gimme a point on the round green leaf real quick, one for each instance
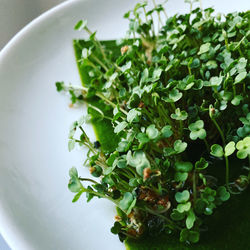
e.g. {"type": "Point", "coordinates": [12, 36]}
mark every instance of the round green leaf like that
{"type": "Point", "coordinates": [122, 163]}
{"type": "Point", "coordinates": [200, 206]}
{"type": "Point", "coordinates": [133, 115]}
{"type": "Point", "coordinates": [230, 148]}
{"type": "Point", "coordinates": [223, 194]}
{"type": "Point", "coordinates": [126, 201]}
{"type": "Point", "coordinates": [143, 138]}
{"type": "Point", "coordinates": [166, 131]}
{"type": "Point", "coordinates": [184, 207]}
{"type": "Point", "coordinates": [190, 219]}
{"type": "Point", "coordinates": [97, 172]}
{"type": "Point", "coordinates": [138, 160]}
{"type": "Point", "coordinates": [120, 127]}
{"type": "Point", "coordinates": [241, 76]}
{"type": "Point", "coordinates": [152, 132]}
{"type": "Point", "coordinates": [123, 146]}
{"type": "Point", "coordinates": [182, 166]}
{"type": "Point", "coordinates": [217, 150]}
{"type": "Point", "coordinates": [182, 197]}
{"type": "Point", "coordinates": [116, 228]}
{"type": "Point", "coordinates": [180, 146]}
{"type": "Point", "coordinates": [194, 236]}
{"type": "Point", "coordinates": [71, 145]}
{"type": "Point", "coordinates": [244, 148]}
{"type": "Point", "coordinates": [179, 176]}
{"type": "Point", "coordinates": [236, 100]}
{"type": "Point", "coordinates": [201, 164]}
{"type": "Point", "coordinates": [204, 48]}
{"type": "Point", "coordinates": [216, 81]}
{"type": "Point", "coordinates": [74, 185]}
{"type": "Point", "coordinates": [176, 215]}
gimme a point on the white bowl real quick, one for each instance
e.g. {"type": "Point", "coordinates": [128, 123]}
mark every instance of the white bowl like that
{"type": "Point", "coordinates": [35, 205]}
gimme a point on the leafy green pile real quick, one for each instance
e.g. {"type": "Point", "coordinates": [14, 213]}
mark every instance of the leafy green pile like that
{"type": "Point", "coordinates": [177, 102]}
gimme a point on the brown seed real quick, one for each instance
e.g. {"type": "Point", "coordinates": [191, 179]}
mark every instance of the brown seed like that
{"type": "Point", "coordinates": [213, 110]}
{"type": "Point", "coordinates": [91, 170]}
{"type": "Point", "coordinates": [118, 218]}
{"type": "Point", "coordinates": [71, 105]}
{"type": "Point", "coordinates": [124, 49]}
{"type": "Point", "coordinates": [132, 232]}
{"type": "Point", "coordinates": [141, 105]}
{"type": "Point", "coordinates": [146, 173]}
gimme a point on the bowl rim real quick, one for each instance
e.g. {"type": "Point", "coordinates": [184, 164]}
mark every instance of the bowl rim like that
{"type": "Point", "coordinates": [32, 25]}
{"type": "Point", "coordinates": [4, 231]}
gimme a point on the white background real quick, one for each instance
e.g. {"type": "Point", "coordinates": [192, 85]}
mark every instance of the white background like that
{"type": "Point", "coordinates": [14, 15]}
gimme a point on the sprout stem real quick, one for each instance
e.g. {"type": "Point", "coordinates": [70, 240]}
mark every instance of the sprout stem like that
{"type": "Point", "coordinates": [219, 129]}
{"type": "Point", "coordinates": [194, 185]}
{"type": "Point", "coordinates": [227, 172]}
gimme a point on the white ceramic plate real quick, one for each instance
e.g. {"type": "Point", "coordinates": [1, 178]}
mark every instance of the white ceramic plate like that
{"type": "Point", "coordinates": [35, 206]}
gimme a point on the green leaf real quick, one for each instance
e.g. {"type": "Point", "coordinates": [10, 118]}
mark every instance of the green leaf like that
{"type": "Point", "coordinates": [152, 132]}
{"type": "Point", "coordinates": [131, 206]}
{"type": "Point", "coordinates": [201, 164]}
{"type": "Point", "coordinates": [81, 25]}
{"type": "Point", "coordinates": [59, 86]}
{"type": "Point", "coordinates": [78, 195]}
{"type": "Point", "coordinates": [122, 163]}
{"type": "Point", "coordinates": [144, 76]}
{"type": "Point", "coordinates": [138, 160]}
{"type": "Point", "coordinates": [182, 197]}
{"type": "Point", "coordinates": [126, 67]}
{"type": "Point", "coordinates": [97, 171]}
{"type": "Point", "coordinates": [200, 206]}
{"type": "Point", "coordinates": [182, 166]}
{"type": "Point", "coordinates": [133, 182]}
{"type": "Point", "coordinates": [223, 194]}
{"type": "Point", "coordinates": [217, 150]}
{"type": "Point", "coordinates": [123, 146]}
{"type": "Point", "coordinates": [116, 228]}
{"type": "Point", "coordinates": [190, 219]}
{"type": "Point", "coordinates": [236, 100]}
{"type": "Point", "coordinates": [73, 172]}
{"type": "Point", "coordinates": [156, 74]}
{"type": "Point", "coordinates": [180, 146]}
{"type": "Point", "coordinates": [71, 145]}
{"type": "Point", "coordinates": [241, 76]}
{"type": "Point", "coordinates": [211, 64]}
{"type": "Point", "coordinates": [112, 158]}
{"type": "Point", "coordinates": [179, 176]}
{"type": "Point", "coordinates": [179, 115]}
{"type": "Point", "coordinates": [201, 133]}
{"type": "Point", "coordinates": [195, 63]}
{"type": "Point", "coordinates": [74, 185]}
{"type": "Point", "coordinates": [133, 115]}
{"type": "Point", "coordinates": [126, 201]}
{"type": "Point", "coordinates": [193, 236]}
{"type": "Point", "coordinates": [196, 125]}
{"type": "Point", "coordinates": [174, 96]}
{"type": "Point", "coordinates": [243, 147]}
{"type": "Point", "coordinates": [204, 48]}
{"type": "Point", "coordinates": [143, 138]}
{"type": "Point", "coordinates": [166, 131]}
{"type": "Point", "coordinates": [184, 232]}
{"type": "Point", "coordinates": [120, 127]}
{"type": "Point", "coordinates": [229, 148]}
{"type": "Point", "coordinates": [184, 207]}
{"type": "Point", "coordinates": [176, 215]}
{"type": "Point", "coordinates": [216, 81]}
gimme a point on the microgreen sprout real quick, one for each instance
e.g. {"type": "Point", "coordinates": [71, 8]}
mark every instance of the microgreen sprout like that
{"type": "Point", "coordinates": [168, 102]}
